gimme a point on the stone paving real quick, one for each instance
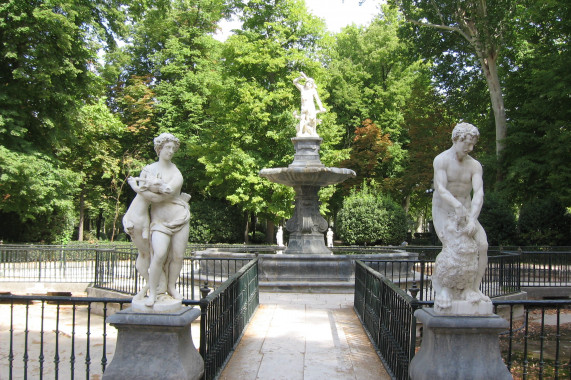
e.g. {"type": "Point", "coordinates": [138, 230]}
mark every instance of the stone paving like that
{"type": "Point", "coordinates": [304, 336]}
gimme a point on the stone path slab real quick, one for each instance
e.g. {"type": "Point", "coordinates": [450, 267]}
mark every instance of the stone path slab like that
{"type": "Point", "coordinates": [304, 336]}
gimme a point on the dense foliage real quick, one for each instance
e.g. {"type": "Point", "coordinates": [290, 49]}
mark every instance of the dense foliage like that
{"type": "Point", "coordinates": [498, 220]}
{"type": "Point", "coordinates": [544, 222]}
{"type": "Point", "coordinates": [87, 84]}
{"type": "Point", "coordinates": [215, 222]}
{"type": "Point", "coordinates": [370, 218]}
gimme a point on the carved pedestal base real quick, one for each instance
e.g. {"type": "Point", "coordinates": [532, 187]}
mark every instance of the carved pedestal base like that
{"type": "Point", "coordinates": [300, 243]}
{"type": "Point", "coordinates": [154, 346]}
{"type": "Point", "coordinates": [459, 347]}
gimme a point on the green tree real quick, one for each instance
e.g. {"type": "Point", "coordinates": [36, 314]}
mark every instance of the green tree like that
{"type": "Point", "coordinates": [539, 145]}
{"type": "Point", "coordinates": [461, 31]}
{"type": "Point", "coordinates": [372, 75]}
{"type": "Point", "coordinates": [48, 72]}
{"type": "Point", "coordinates": [254, 101]}
{"type": "Point", "coordinates": [90, 151]}
{"type": "Point", "coordinates": [498, 219]}
{"type": "Point", "coordinates": [544, 222]}
{"type": "Point", "coordinates": [36, 193]}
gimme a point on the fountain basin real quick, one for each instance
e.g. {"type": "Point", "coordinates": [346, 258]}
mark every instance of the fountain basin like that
{"type": "Point", "coordinates": [304, 176]}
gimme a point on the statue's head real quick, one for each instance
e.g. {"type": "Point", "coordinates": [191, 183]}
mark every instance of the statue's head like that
{"type": "Point", "coordinates": [463, 130]}
{"type": "Point", "coordinates": [164, 138]}
{"type": "Point", "coordinates": [310, 83]}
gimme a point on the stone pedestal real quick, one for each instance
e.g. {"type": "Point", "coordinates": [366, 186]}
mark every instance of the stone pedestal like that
{"type": "Point", "coordinates": [459, 347]}
{"type": "Point", "coordinates": [154, 346]}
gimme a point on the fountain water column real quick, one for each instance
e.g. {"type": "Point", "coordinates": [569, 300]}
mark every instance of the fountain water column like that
{"type": "Point", "coordinates": [306, 174]}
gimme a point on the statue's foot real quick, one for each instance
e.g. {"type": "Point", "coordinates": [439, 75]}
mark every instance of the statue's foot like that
{"type": "Point", "coordinates": [151, 300]}
{"type": "Point", "coordinates": [142, 293]}
{"type": "Point", "coordinates": [174, 293]}
{"type": "Point", "coordinates": [472, 296]}
{"type": "Point", "coordinates": [443, 300]}
{"type": "Point", "coordinates": [483, 297]}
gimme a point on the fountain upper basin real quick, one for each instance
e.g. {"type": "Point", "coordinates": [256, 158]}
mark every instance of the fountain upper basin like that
{"type": "Point", "coordinates": [310, 175]}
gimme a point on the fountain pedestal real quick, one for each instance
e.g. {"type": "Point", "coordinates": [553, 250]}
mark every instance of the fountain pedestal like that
{"type": "Point", "coordinates": [306, 174]}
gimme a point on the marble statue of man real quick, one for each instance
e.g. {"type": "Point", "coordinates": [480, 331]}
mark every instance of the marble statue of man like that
{"type": "Point", "coordinates": [460, 266]}
{"type": "Point", "coordinates": [160, 235]}
{"type": "Point", "coordinates": [308, 121]}
{"type": "Point", "coordinates": [329, 237]}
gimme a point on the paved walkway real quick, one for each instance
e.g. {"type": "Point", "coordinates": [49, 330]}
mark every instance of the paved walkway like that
{"type": "Point", "coordinates": [304, 336]}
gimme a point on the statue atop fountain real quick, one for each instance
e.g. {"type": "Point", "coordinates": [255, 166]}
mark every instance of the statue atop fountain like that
{"type": "Point", "coordinates": [306, 174]}
{"type": "Point", "coordinates": [308, 120]}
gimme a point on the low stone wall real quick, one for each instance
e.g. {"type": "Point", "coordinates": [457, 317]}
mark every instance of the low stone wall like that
{"type": "Point", "coordinates": [308, 272]}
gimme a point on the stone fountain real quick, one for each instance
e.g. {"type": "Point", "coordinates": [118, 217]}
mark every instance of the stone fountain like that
{"type": "Point", "coordinates": [308, 265]}
{"type": "Point", "coordinates": [306, 174]}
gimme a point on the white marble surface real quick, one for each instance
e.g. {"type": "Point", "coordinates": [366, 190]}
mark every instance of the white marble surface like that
{"type": "Point", "coordinates": [460, 266]}
{"type": "Point", "coordinates": [158, 223]}
{"type": "Point", "coordinates": [308, 120]}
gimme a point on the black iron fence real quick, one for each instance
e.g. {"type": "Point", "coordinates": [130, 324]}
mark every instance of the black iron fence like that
{"type": "Point", "coordinates": [224, 315]}
{"type": "Point", "coordinates": [67, 337]}
{"type": "Point", "coordinates": [537, 344]}
{"type": "Point", "coordinates": [111, 268]}
{"type": "Point", "coordinates": [387, 314]}
{"type": "Point", "coordinates": [56, 337]}
{"type": "Point", "coordinates": [48, 263]}
{"type": "Point", "coordinates": [545, 268]}
{"type": "Point", "coordinates": [501, 277]}
{"type": "Point", "coordinates": [116, 271]}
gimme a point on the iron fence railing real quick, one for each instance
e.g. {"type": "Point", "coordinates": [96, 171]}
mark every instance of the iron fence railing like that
{"type": "Point", "coordinates": [224, 315]}
{"type": "Point", "coordinates": [59, 336]}
{"type": "Point", "coordinates": [110, 268]}
{"type": "Point", "coordinates": [47, 263]}
{"type": "Point", "coordinates": [545, 268]}
{"type": "Point", "coordinates": [501, 277]}
{"type": "Point", "coordinates": [67, 337]}
{"type": "Point", "coordinates": [116, 271]}
{"type": "Point", "coordinates": [387, 314]}
{"type": "Point", "coordinates": [537, 344]}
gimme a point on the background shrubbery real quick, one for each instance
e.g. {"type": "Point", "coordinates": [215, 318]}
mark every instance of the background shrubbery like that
{"type": "Point", "coordinates": [544, 222]}
{"type": "Point", "coordinates": [370, 218]}
{"type": "Point", "coordinates": [498, 220]}
{"type": "Point", "coordinates": [215, 222]}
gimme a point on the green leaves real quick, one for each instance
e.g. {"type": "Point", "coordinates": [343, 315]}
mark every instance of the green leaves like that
{"type": "Point", "coordinates": [369, 218]}
{"type": "Point", "coordinates": [33, 184]}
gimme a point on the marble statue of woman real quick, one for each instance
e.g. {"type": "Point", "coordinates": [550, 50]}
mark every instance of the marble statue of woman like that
{"type": "Point", "coordinates": [280, 236]}
{"type": "Point", "coordinates": [162, 235]}
{"type": "Point", "coordinates": [460, 267]}
{"type": "Point", "coordinates": [308, 118]}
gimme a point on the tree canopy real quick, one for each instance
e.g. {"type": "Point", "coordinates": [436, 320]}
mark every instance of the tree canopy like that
{"type": "Point", "coordinates": [87, 84]}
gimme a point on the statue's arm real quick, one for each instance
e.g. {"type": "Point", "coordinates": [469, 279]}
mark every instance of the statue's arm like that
{"type": "Point", "coordinates": [478, 191]}
{"type": "Point", "coordinates": [319, 104]}
{"type": "Point", "coordinates": [296, 83]}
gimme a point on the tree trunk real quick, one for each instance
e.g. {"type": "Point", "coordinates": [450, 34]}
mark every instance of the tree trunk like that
{"type": "Point", "coordinates": [98, 223]}
{"type": "Point", "coordinates": [270, 232]}
{"type": "Point", "coordinates": [81, 215]}
{"type": "Point", "coordinates": [246, 228]}
{"type": "Point", "coordinates": [490, 71]}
